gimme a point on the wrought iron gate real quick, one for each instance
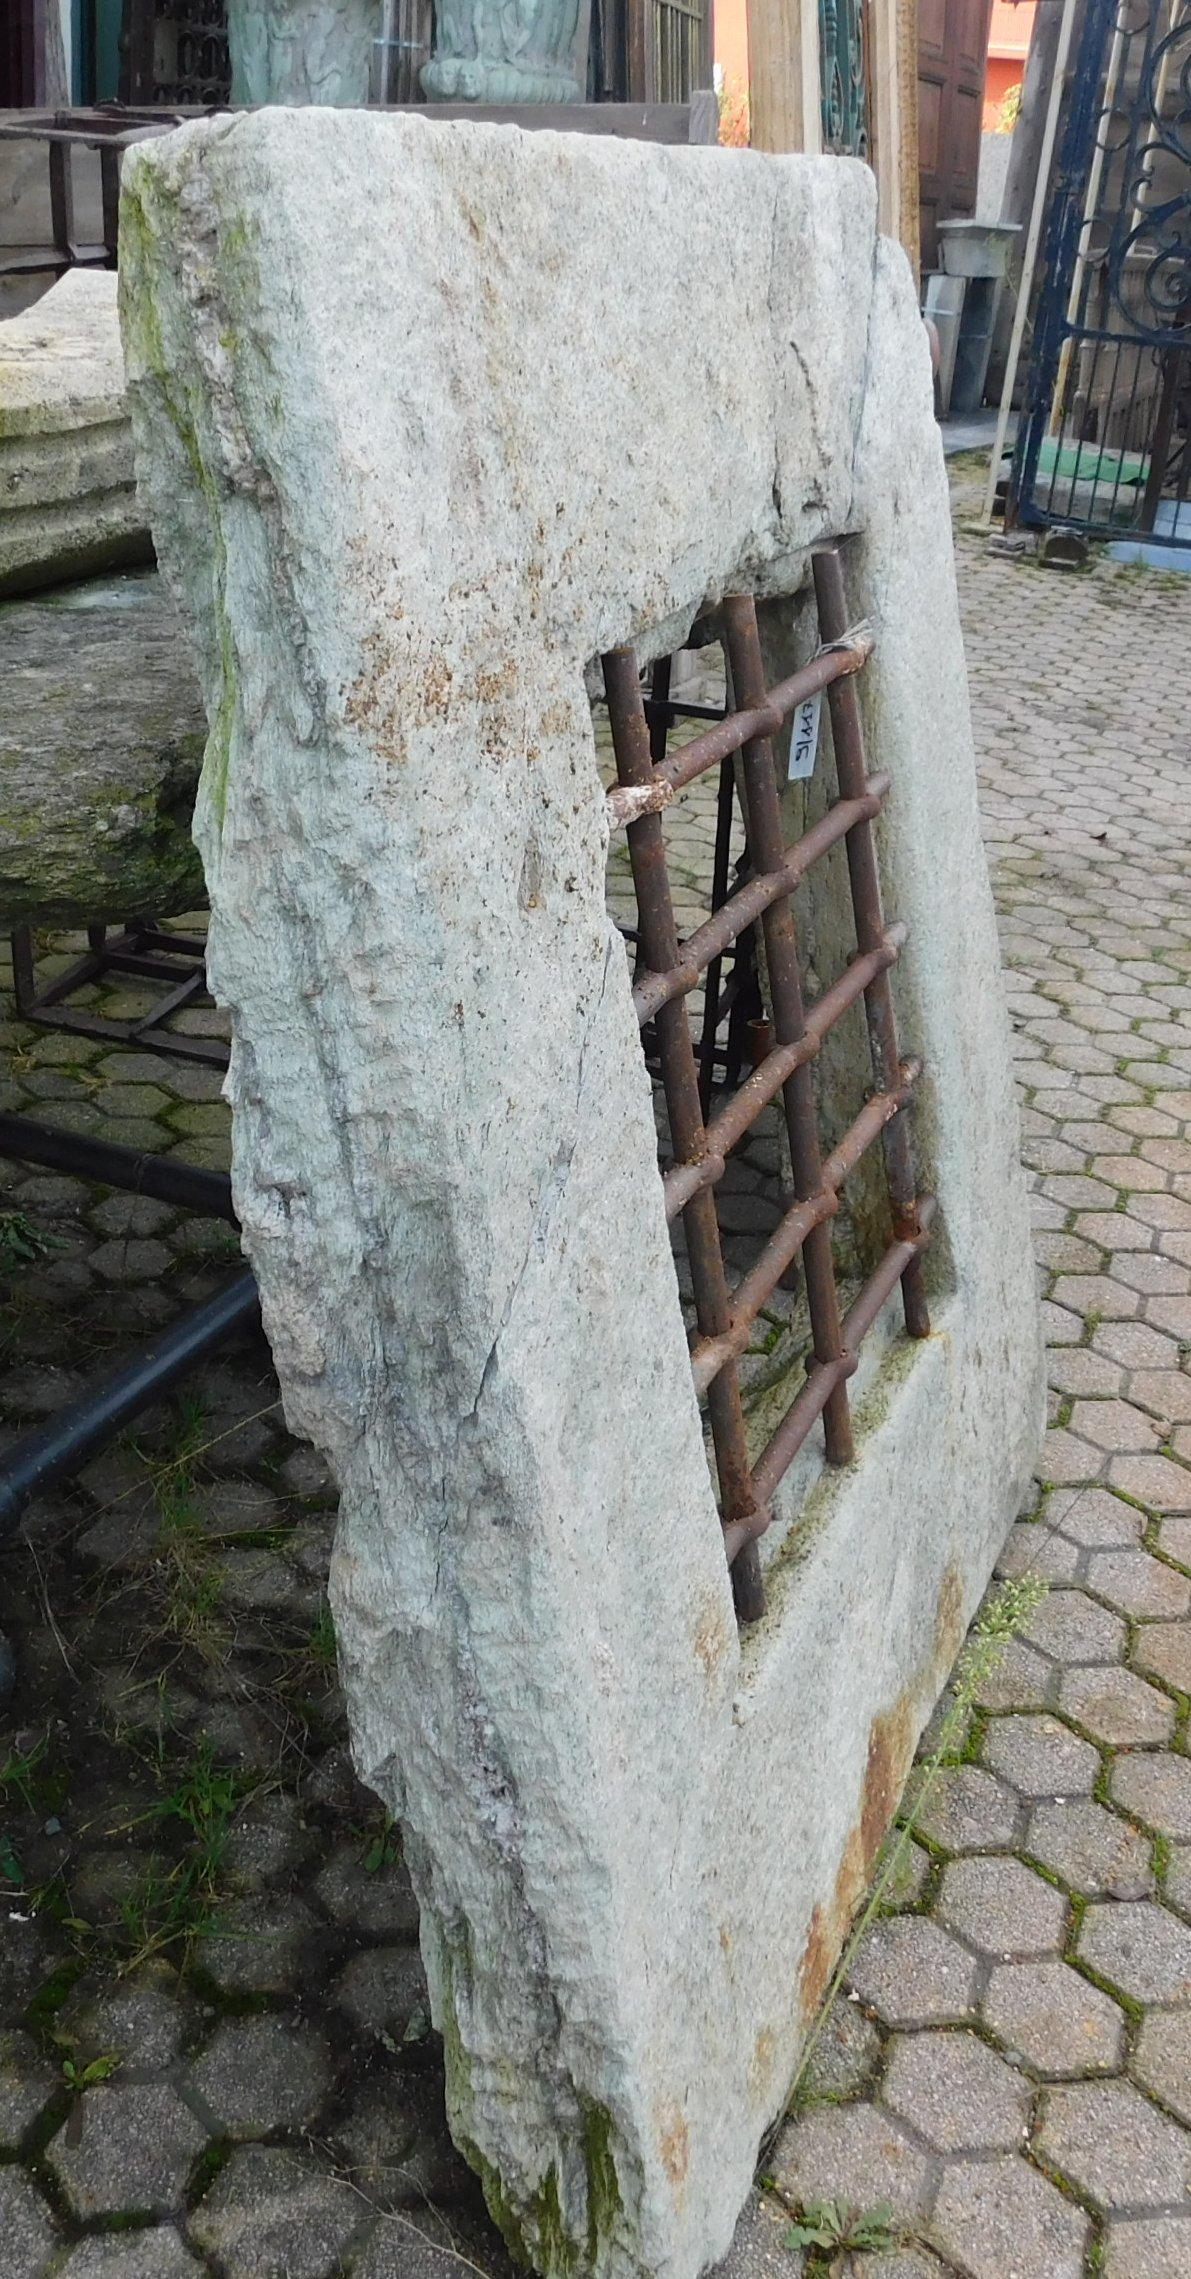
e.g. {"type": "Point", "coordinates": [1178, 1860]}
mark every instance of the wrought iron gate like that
{"type": "Point", "coordinates": [1104, 443]}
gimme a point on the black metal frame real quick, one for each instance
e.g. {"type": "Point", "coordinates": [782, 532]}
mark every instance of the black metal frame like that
{"type": "Point", "coordinates": [143, 951]}
{"type": "Point", "coordinates": [1112, 334]}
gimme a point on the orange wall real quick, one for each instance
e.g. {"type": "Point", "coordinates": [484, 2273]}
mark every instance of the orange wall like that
{"type": "Point", "coordinates": [731, 41]}
{"type": "Point", "coordinates": [1008, 46]}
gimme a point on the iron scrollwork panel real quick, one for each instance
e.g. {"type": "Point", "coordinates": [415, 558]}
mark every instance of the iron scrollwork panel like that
{"type": "Point", "coordinates": [843, 77]}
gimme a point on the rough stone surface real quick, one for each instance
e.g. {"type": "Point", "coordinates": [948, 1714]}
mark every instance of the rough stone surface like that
{"type": "Point", "coordinates": [384, 593]}
{"type": "Point", "coordinates": [29, 2238]}
{"type": "Point", "coordinates": [101, 742]}
{"type": "Point", "coordinates": [66, 457]}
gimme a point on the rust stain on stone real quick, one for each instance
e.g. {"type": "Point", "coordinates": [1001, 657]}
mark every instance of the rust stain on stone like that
{"type": "Point", "coordinates": [674, 2143]}
{"type": "Point", "coordinates": [949, 1623]}
{"type": "Point", "coordinates": [890, 1753]}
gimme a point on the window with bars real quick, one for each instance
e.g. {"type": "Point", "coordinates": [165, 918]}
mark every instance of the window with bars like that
{"type": "Point", "coordinates": [748, 951]}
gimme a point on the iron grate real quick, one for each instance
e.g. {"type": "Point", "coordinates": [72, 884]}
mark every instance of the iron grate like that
{"type": "Point", "coordinates": [702, 1142]}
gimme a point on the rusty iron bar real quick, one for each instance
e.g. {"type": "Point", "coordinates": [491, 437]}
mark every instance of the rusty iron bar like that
{"type": "Point", "coordinates": [659, 942]}
{"type": "Point", "coordinates": [847, 736]}
{"type": "Point", "coordinates": [762, 717]}
{"type": "Point", "coordinates": [726, 1130]}
{"type": "Point", "coordinates": [750, 901]}
{"type": "Point", "coordinates": [750, 1294]}
{"type": "Point", "coordinates": [776, 1458]}
{"type": "Point", "coordinates": [763, 811]}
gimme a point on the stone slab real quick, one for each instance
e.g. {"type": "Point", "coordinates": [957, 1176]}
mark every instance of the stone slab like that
{"type": "Point", "coordinates": [636, 1836]}
{"type": "Point", "coordinates": [101, 743]}
{"type": "Point", "coordinates": [68, 501]}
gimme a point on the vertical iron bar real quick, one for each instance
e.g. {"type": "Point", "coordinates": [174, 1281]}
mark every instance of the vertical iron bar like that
{"type": "Point", "coordinates": [767, 847]}
{"type": "Point", "coordinates": [61, 157]}
{"type": "Point", "coordinates": [659, 943]}
{"type": "Point", "coordinates": [725, 799]}
{"type": "Point", "coordinates": [848, 739]}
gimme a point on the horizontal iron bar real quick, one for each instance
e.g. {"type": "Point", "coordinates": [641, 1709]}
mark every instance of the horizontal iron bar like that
{"type": "Point", "coordinates": [821, 1381]}
{"type": "Point", "coordinates": [627, 801]}
{"type": "Point", "coordinates": [710, 1354]}
{"type": "Point", "coordinates": [53, 1451]}
{"type": "Point", "coordinates": [742, 909]}
{"type": "Point", "coordinates": [185, 1184]}
{"type": "Point", "coordinates": [726, 1130]}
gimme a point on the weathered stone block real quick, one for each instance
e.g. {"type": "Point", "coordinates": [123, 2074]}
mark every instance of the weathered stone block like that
{"type": "Point", "coordinates": [68, 503]}
{"type": "Point", "coordinates": [429, 416]}
{"type": "Point", "coordinates": [101, 742]}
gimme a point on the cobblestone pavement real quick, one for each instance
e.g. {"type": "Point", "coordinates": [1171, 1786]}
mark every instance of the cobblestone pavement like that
{"type": "Point", "coordinates": [214, 2050]}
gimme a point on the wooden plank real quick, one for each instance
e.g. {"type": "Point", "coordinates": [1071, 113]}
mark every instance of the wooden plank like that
{"type": "Point", "coordinates": [784, 95]}
{"type": "Point", "coordinates": [893, 102]}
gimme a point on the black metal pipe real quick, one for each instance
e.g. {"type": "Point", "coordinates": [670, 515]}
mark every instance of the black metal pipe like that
{"type": "Point", "coordinates": [207, 1192]}
{"type": "Point", "coordinates": [38, 1459]}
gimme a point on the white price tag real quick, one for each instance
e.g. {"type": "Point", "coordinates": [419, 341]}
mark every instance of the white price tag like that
{"type": "Point", "coordinates": [804, 738]}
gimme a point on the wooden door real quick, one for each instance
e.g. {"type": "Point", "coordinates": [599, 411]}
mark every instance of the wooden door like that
{"type": "Point", "coordinates": [952, 51]}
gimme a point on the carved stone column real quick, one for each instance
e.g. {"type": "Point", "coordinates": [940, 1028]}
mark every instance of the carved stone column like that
{"type": "Point", "coordinates": [301, 51]}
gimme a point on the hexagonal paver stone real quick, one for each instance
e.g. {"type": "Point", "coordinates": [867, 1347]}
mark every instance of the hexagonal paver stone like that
{"type": "Point", "coordinates": [1154, 1480]}
{"type": "Point", "coordinates": [1093, 1851]}
{"type": "Point", "coordinates": [255, 1945]}
{"type": "Point", "coordinates": [1002, 1908]}
{"type": "Point", "coordinates": [139, 2017]}
{"type": "Point", "coordinates": [272, 2212]}
{"type": "Point", "coordinates": [1176, 1889]}
{"type": "Point", "coordinates": [137, 2143]}
{"type": "Point", "coordinates": [853, 2153]}
{"type": "Point", "coordinates": [1139, 1585]}
{"type": "Point", "coordinates": [1151, 2247]}
{"type": "Point", "coordinates": [993, 2217]}
{"type": "Point", "coordinates": [912, 1973]}
{"type": "Point", "coordinates": [1116, 1706]}
{"type": "Point", "coordinates": [378, 1902]}
{"type": "Point", "coordinates": [155, 2254]}
{"type": "Point", "coordinates": [1093, 1519]}
{"type": "Point", "coordinates": [1020, 1678]}
{"type": "Point", "coordinates": [1032, 1548]}
{"type": "Point", "coordinates": [1112, 2144]}
{"type": "Point", "coordinates": [259, 2074]}
{"type": "Point", "coordinates": [1040, 1757]}
{"type": "Point", "coordinates": [25, 2228]}
{"type": "Point", "coordinates": [1163, 1649]}
{"type": "Point", "coordinates": [1141, 1947]}
{"type": "Point", "coordinates": [1156, 1788]}
{"type": "Point", "coordinates": [26, 2081]}
{"type": "Point", "coordinates": [1073, 1629]}
{"type": "Point", "coordinates": [1162, 2059]}
{"type": "Point", "coordinates": [398, 2252]}
{"type": "Point", "coordinates": [383, 1990]}
{"type": "Point", "coordinates": [394, 2145]}
{"type": "Point", "coordinates": [1047, 2014]}
{"type": "Point", "coordinates": [966, 1809]}
{"type": "Point", "coordinates": [844, 2054]}
{"type": "Point", "coordinates": [954, 2093]}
